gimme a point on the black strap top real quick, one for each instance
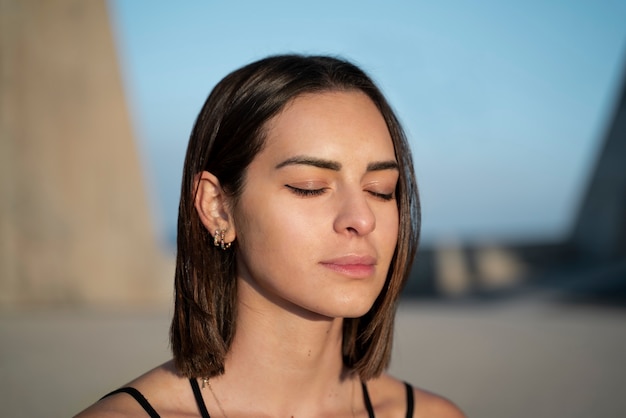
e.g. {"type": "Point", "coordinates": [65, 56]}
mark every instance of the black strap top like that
{"type": "Point", "coordinates": [409, 401]}
{"type": "Point", "coordinates": [204, 413]}
{"type": "Point", "coordinates": [138, 397]}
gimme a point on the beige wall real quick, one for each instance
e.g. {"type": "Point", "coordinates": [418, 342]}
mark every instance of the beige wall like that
{"type": "Point", "coordinates": [75, 225]}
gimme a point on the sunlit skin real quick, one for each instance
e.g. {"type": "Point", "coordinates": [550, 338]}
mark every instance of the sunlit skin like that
{"type": "Point", "coordinates": [317, 223]}
{"type": "Point", "coordinates": [316, 227]}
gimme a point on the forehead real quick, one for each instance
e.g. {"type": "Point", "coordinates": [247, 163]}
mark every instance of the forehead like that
{"type": "Point", "coordinates": [330, 124]}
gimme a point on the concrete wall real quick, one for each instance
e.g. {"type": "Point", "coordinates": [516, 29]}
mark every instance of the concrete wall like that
{"type": "Point", "coordinates": [75, 225]}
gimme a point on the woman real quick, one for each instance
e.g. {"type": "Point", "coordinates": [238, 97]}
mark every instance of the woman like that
{"type": "Point", "coordinates": [298, 223]}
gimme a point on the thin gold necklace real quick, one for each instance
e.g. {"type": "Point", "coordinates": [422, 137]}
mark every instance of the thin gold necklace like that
{"type": "Point", "coordinates": [352, 400]}
{"type": "Point", "coordinates": [207, 382]}
{"type": "Point", "coordinates": [219, 404]}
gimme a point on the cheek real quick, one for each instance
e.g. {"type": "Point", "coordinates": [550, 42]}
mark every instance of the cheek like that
{"type": "Point", "coordinates": [388, 224]}
{"type": "Point", "coordinates": [268, 229]}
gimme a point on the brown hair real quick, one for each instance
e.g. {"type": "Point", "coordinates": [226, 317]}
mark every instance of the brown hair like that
{"type": "Point", "coordinates": [227, 135]}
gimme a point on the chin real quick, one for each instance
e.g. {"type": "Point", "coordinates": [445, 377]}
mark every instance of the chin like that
{"type": "Point", "coordinates": [359, 313]}
{"type": "Point", "coordinates": [351, 309]}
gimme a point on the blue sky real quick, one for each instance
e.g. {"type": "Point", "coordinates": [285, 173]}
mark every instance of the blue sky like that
{"type": "Point", "coordinates": [505, 103]}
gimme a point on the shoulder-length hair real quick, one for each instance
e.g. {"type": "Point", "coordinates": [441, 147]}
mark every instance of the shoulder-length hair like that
{"type": "Point", "coordinates": [227, 135]}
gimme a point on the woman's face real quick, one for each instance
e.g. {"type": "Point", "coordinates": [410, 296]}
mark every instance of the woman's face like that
{"type": "Point", "coordinates": [317, 221]}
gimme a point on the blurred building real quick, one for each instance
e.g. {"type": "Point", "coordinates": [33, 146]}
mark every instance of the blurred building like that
{"type": "Point", "coordinates": [75, 226]}
{"type": "Point", "coordinates": [590, 263]}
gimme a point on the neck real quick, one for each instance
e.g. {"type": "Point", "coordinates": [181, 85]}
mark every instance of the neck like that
{"type": "Point", "coordinates": [284, 358]}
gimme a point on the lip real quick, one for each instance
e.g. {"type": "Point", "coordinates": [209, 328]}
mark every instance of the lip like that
{"type": "Point", "coordinates": [356, 266]}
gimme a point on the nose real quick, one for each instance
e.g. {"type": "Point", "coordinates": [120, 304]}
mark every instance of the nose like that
{"type": "Point", "coordinates": [355, 216]}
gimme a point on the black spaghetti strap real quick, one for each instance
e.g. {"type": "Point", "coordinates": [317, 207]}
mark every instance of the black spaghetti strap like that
{"type": "Point", "coordinates": [141, 400]}
{"type": "Point", "coordinates": [410, 401]}
{"type": "Point", "coordinates": [367, 401]}
{"type": "Point", "coordinates": [199, 399]}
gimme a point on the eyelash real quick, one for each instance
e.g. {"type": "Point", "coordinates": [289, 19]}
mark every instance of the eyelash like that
{"type": "Point", "coordinates": [318, 192]}
{"type": "Point", "coordinates": [306, 192]}
{"type": "Point", "coordinates": [383, 196]}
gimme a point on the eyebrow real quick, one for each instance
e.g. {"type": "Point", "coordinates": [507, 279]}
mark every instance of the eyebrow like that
{"type": "Point", "coordinates": [334, 165]}
{"type": "Point", "coordinates": [383, 165]}
{"type": "Point", "coordinates": [315, 162]}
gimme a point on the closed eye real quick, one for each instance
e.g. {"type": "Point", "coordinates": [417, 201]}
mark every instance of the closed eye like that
{"type": "Point", "coordinates": [305, 192]}
{"type": "Point", "coordinates": [382, 196]}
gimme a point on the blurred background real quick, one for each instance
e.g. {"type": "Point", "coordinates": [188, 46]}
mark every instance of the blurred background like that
{"type": "Point", "coordinates": [516, 113]}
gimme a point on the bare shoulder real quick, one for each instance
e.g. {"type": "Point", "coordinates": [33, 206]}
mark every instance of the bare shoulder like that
{"type": "Point", "coordinates": [434, 406]}
{"type": "Point", "coordinates": [389, 396]}
{"type": "Point", "coordinates": [118, 406]}
{"type": "Point", "coordinates": [161, 387]}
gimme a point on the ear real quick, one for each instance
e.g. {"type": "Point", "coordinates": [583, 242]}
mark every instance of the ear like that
{"type": "Point", "coordinates": [211, 205]}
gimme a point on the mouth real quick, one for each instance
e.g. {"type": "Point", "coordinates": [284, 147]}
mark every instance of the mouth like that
{"type": "Point", "coordinates": [355, 266]}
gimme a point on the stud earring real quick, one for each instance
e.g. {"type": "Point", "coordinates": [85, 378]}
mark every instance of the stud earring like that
{"type": "Point", "coordinates": [218, 239]}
